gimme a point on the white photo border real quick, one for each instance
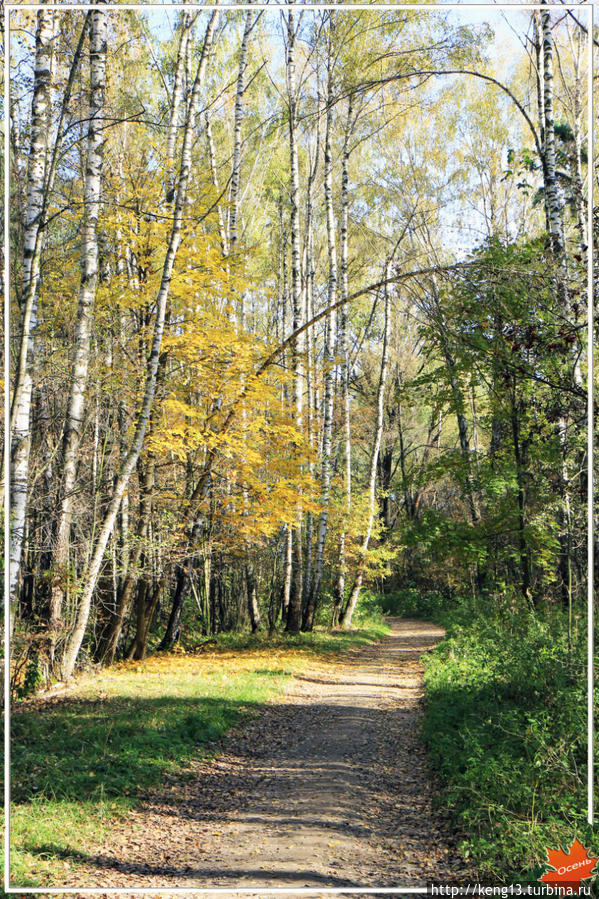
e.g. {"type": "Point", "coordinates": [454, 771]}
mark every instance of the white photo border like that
{"type": "Point", "coordinates": [315, 891]}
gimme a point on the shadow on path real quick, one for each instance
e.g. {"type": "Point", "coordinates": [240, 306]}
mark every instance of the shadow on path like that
{"type": "Point", "coordinates": [328, 787]}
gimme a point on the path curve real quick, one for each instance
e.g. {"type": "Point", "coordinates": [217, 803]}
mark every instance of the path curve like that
{"type": "Point", "coordinates": [327, 787]}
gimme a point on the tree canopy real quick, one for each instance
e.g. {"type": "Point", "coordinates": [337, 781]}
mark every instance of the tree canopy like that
{"type": "Point", "coordinates": [298, 307]}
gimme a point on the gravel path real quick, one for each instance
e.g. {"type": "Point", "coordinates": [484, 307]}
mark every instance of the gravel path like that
{"type": "Point", "coordinates": [326, 787]}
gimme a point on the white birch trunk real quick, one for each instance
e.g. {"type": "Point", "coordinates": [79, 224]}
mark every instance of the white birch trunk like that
{"type": "Point", "coordinates": [176, 101]}
{"type": "Point", "coordinates": [556, 234]}
{"type": "Point", "coordinates": [344, 369]}
{"type": "Point", "coordinates": [329, 366]}
{"type": "Point", "coordinates": [577, 181]}
{"type": "Point", "coordinates": [222, 231]}
{"type": "Point", "coordinates": [34, 211]}
{"type": "Point", "coordinates": [295, 599]}
{"type": "Point", "coordinates": [552, 193]}
{"type": "Point", "coordinates": [233, 241]}
{"type": "Point", "coordinates": [287, 573]}
{"type": "Point", "coordinates": [540, 87]}
{"type": "Point", "coordinates": [309, 278]}
{"type": "Point", "coordinates": [130, 461]}
{"type": "Point", "coordinates": [87, 294]}
{"type": "Point", "coordinates": [250, 21]}
{"type": "Point", "coordinates": [346, 618]}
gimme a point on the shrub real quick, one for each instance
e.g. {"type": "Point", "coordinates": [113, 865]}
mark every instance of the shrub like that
{"type": "Point", "coordinates": [505, 726]}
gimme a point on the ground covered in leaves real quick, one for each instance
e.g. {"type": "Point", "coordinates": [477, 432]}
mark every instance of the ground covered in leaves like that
{"type": "Point", "coordinates": [325, 784]}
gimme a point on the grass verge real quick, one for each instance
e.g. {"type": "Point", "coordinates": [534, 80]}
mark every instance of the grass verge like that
{"type": "Point", "coordinates": [79, 762]}
{"type": "Point", "coordinates": [505, 726]}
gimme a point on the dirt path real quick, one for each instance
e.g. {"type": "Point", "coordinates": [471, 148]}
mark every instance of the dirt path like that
{"type": "Point", "coordinates": [328, 787]}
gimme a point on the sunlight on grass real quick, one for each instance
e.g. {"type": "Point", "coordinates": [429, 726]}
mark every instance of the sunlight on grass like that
{"type": "Point", "coordinates": [505, 727]}
{"type": "Point", "coordinates": [80, 763]}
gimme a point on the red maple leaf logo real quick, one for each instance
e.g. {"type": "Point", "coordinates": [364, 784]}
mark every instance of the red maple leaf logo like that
{"type": "Point", "coordinates": [570, 868]}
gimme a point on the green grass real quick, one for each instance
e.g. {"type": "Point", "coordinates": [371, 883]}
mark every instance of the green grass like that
{"type": "Point", "coordinates": [505, 726]}
{"type": "Point", "coordinates": [320, 641]}
{"type": "Point", "coordinates": [80, 763]}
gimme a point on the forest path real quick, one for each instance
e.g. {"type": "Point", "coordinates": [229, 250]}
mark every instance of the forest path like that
{"type": "Point", "coordinates": [327, 787]}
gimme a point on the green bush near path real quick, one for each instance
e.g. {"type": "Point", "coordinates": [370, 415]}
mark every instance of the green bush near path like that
{"type": "Point", "coordinates": [505, 725]}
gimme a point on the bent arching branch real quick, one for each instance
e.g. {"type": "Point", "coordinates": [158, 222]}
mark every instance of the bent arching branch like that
{"type": "Point", "coordinates": [489, 78]}
{"type": "Point", "coordinates": [198, 493]}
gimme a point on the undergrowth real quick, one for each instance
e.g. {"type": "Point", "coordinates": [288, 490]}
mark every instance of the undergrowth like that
{"type": "Point", "coordinates": [505, 726]}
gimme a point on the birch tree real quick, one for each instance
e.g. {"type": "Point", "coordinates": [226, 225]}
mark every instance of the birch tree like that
{"type": "Point", "coordinates": [295, 599]}
{"type": "Point", "coordinates": [37, 170]}
{"type": "Point", "coordinates": [216, 398]}
{"type": "Point", "coordinates": [354, 594]}
{"type": "Point", "coordinates": [87, 293]}
{"type": "Point", "coordinates": [329, 349]}
{"type": "Point", "coordinates": [339, 598]}
{"type": "Point", "coordinates": [93, 570]}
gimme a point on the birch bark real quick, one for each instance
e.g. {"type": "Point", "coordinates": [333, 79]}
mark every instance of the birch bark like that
{"type": "Point", "coordinates": [339, 597]}
{"type": "Point", "coordinates": [552, 193]}
{"type": "Point", "coordinates": [34, 211]}
{"type": "Point", "coordinates": [87, 293]}
{"type": "Point", "coordinates": [222, 231]}
{"type": "Point", "coordinates": [346, 617]}
{"type": "Point", "coordinates": [309, 278]}
{"type": "Point", "coordinates": [576, 47]}
{"type": "Point", "coordinates": [185, 26]}
{"type": "Point", "coordinates": [295, 599]}
{"type": "Point", "coordinates": [250, 21]}
{"type": "Point", "coordinates": [130, 460]}
{"type": "Point", "coordinates": [558, 246]}
{"type": "Point", "coordinates": [329, 359]}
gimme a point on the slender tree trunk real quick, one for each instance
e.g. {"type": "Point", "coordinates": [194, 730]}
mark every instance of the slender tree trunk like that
{"type": "Point", "coordinates": [83, 327]}
{"type": "Point", "coordinates": [329, 364]}
{"type": "Point", "coordinates": [309, 278]}
{"type": "Point", "coordinates": [173, 127]}
{"type": "Point", "coordinates": [556, 234]}
{"type": "Point", "coordinates": [234, 209]}
{"type": "Point", "coordinates": [474, 426]}
{"type": "Point", "coordinates": [408, 498]}
{"type": "Point", "coordinates": [497, 417]}
{"type": "Point", "coordinates": [346, 618]}
{"type": "Point", "coordinates": [111, 638]}
{"type": "Point", "coordinates": [145, 607]}
{"type": "Point", "coordinates": [460, 406]}
{"type": "Point", "coordinates": [34, 211]}
{"type": "Point", "coordinates": [577, 182]}
{"type": "Point", "coordinates": [152, 366]}
{"type": "Point", "coordinates": [252, 595]}
{"type": "Point", "coordinates": [519, 449]}
{"type": "Point", "coordinates": [222, 231]}
{"type": "Point", "coordinates": [287, 573]}
{"type": "Point", "coordinates": [173, 628]}
{"type": "Point", "coordinates": [295, 599]}
{"type": "Point", "coordinates": [250, 21]}
{"type": "Point", "coordinates": [540, 90]}
{"type": "Point", "coordinates": [554, 202]}
{"type": "Point", "coordinates": [281, 328]}
{"type": "Point", "coordinates": [342, 341]}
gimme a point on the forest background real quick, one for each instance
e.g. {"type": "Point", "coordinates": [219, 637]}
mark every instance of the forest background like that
{"type": "Point", "coordinates": [298, 334]}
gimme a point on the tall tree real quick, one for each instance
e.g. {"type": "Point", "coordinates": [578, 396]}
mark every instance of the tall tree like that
{"type": "Point", "coordinates": [37, 170]}
{"type": "Point", "coordinates": [330, 340]}
{"type": "Point", "coordinates": [87, 294]}
{"type": "Point", "coordinates": [95, 564]}
{"type": "Point", "coordinates": [294, 615]}
{"type": "Point", "coordinates": [354, 594]}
